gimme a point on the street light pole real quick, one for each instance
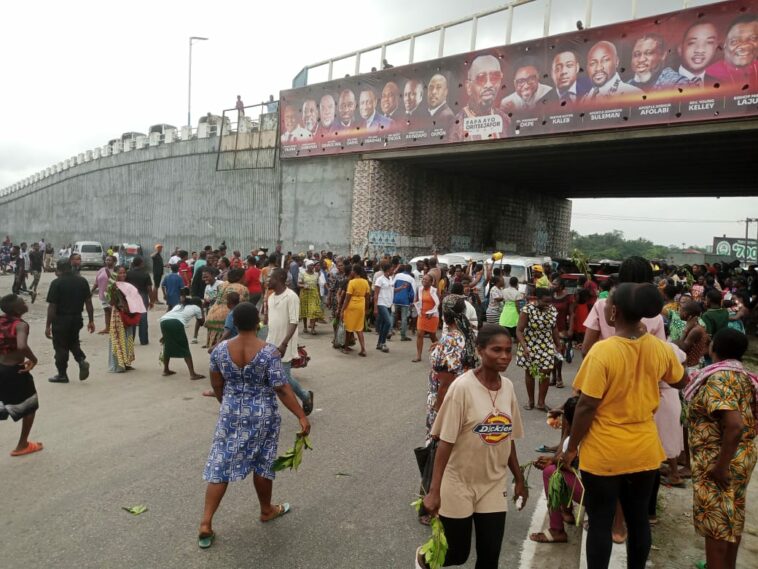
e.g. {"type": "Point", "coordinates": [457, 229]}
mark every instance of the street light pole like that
{"type": "Point", "coordinates": [189, 87]}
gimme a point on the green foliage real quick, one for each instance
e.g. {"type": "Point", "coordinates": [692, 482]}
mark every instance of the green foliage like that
{"type": "Point", "coordinates": [294, 456]}
{"type": "Point", "coordinates": [613, 246]}
{"type": "Point", "coordinates": [435, 549]}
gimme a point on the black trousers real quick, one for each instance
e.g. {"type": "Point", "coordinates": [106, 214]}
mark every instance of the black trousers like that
{"type": "Point", "coordinates": [489, 529]}
{"type": "Point", "coordinates": [65, 340]}
{"type": "Point", "coordinates": [601, 495]}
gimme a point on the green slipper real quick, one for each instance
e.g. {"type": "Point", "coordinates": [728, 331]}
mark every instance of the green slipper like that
{"type": "Point", "coordinates": [701, 564]}
{"type": "Point", "coordinates": [205, 541]}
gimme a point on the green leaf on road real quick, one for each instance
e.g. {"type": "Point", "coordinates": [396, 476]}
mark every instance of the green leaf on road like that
{"type": "Point", "coordinates": [136, 510]}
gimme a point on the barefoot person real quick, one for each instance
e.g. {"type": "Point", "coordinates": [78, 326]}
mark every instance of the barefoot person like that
{"type": "Point", "coordinates": [18, 397]}
{"type": "Point", "coordinates": [476, 426]}
{"type": "Point", "coordinates": [247, 377]}
{"type": "Point", "coordinates": [173, 323]}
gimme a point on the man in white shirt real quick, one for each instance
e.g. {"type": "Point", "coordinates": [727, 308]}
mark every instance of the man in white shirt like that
{"type": "Point", "coordinates": [528, 91]}
{"type": "Point", "coordinates": [602, 68]}
{"type": "Point", "coordinates": [293, 132]}
{"type": "Point", "coordinates": [282, 318]}
{"type": "Point", "coordinates": [384, 292]}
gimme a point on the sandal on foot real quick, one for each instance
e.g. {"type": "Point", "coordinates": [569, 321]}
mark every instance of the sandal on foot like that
{"type": "Point", "coordinates": [546, 537]}
{"type": "Point", "coordinates": [30, 448]}
{"type": "Point", "coordinates": [205, 541]}
{"type": "Point", "coordinates": [544, 408]}
{"type": "Point", "coordinates": [667, 482]}
{"type": "Point", "coordinates": [559, 384]}
{"type": "Point", "coordinates": [362, 354]}
{"type": "Point", "coordinates": [281, 509]}
{"type": "Point", "coordinates": [529, 406]}
{"type": "Point", "coordinates": [545, 448]}
{"type": "Point", "coordinates": [700, 565]}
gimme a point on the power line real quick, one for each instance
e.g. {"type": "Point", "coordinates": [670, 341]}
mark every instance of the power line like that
{"type": "Point", "coordinates": [606, 217]}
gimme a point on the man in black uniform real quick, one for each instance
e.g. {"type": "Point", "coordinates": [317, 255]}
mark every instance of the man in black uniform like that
{"type": "Point", "coordinates": [68, 295]}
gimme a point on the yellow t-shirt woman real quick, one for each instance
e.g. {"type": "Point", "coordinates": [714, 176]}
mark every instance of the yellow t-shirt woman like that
{"type": "Point", "coordinates": [624, 375]}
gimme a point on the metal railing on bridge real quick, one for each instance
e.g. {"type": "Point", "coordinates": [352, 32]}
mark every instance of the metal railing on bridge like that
{"type": "Point", "coordinates": [516, 21]}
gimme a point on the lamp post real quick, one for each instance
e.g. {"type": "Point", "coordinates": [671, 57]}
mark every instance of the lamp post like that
{"type": "Point", "coordinates": [189, 88]}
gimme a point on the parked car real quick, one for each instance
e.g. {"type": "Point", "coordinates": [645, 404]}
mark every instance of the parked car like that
{"type": "Point", "coordinates": [91, 253]}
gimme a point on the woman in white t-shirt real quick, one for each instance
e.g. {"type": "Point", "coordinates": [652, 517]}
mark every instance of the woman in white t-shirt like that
{"type": "Point", "coordinates": [476, 426]}
{"type": "Point", "coordinates": [174, 340]}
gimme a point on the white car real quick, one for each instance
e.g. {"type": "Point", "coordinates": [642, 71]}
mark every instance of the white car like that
{"type": "Point", "coordinates": [91, 253]}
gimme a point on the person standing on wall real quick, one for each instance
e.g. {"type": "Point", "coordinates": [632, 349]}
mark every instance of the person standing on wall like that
{"type": "Point", "coordinates": [68, 295]}
{"type": "Point", "coordinates": [140, 279]}
{"type": "Point", "coordinates": [157, 259]}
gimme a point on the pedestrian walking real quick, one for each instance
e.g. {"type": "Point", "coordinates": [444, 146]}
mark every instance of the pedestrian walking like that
{"type": "Point", "coordinates": [18, 396]}
{"type": "Point", "coordinates": [138, 276]}
{"type": "Point", "coordinates": [247, 376]}
{"type": "Point", "coordinates": [157, 265]}
{"type": "Point", "coordinates": [473, 457]}
{"type": "Point", "coordinates": [68, 295]}
{"type": "Point", "coordinates": [283, 316]}
{"type": "Point", "coordinates": [36, 259]}
{"type": "Point", "coordinates": [102, 280]}
{"type": "Point", "coordinates": [127, 308]}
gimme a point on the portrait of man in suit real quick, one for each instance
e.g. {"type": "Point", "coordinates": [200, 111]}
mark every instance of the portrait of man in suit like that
{"type": "Point", "coordinates": [602, 69]}
{"type": "Point", "coordinates": [372, 121]}
{"type": "Point", "coordinates": [696, 52]}
{"type": "Point", "coordinates": [390, 102]}
{"type": "Point", "coordinates": [570, 86]}
{"type": "Point", "coordinates": [413, 96]}
{"type": "Point", "coordinates": [440, 114]}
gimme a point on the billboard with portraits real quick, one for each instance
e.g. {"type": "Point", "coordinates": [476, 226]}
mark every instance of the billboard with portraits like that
{"type": "Point", "coordinates": [699, 64]}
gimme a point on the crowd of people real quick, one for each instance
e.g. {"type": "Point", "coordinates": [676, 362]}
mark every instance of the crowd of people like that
{"type": "Point", "coordinates": [661, 394]}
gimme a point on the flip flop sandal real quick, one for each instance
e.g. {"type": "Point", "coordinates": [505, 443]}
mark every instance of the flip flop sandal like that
{"type": "Point", "coordinates": [701, 565]}
{"type": "Point", "coordinates": [666, 482]}
{"type": "Point", "coordinates": [559, 384]}
{"type": "Point", "coordinates": [281, 509]}
{"type": "Point", "coordinates": [205, 541]}
{"type": "Point", "coordinates": [529, 406]}
{"type": "Point", "coordinates": [548, 537]}
{"type": "Point", "coordinates": [30, 448]}
{"type": "Point", "coordinates": [544, 448]}
{"type": "Point", "coordinates": [543, 408]}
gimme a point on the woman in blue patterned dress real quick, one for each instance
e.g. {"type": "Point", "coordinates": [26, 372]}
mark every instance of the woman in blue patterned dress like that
{"type": "Point", "coordinates": [247, 377]}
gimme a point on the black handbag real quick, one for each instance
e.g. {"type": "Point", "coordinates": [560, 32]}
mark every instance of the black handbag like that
{"type": "Point", "coordinates": [425, 459]}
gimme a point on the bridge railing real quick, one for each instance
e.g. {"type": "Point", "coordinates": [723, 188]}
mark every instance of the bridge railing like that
{"type": "Point", "coordinates": [516, 21]}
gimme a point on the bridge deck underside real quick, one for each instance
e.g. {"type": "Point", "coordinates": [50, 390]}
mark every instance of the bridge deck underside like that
{"type": "Point", "coordinates": [694, 160]}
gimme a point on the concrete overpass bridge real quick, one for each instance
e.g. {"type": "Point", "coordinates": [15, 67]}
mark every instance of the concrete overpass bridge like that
{"type": "Point", "coordinates": [497, 179]}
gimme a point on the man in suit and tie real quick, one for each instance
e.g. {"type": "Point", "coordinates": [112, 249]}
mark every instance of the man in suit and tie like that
{"type": "Point", "coordinates": [569, 85]}
{"type": "Point", "coordinates": [413, 96]}
{"type": "Point", "coordinates": [440, 114]}
{"type": "Point", "coordinates": [346, 109]}
{"type": "Point", "coordinates": [372, 121]}
{"type": "Point", "coordinates": [696, 52]}
{"type": "Point", "coordinates": [390, 103]}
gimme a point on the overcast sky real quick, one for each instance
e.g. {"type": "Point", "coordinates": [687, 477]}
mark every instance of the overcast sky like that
{"type": "Point", "coordinates": [79, 73]}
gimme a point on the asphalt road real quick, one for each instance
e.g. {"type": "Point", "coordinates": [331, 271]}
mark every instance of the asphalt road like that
{"type": "Point", "coordinates": [142, 439]}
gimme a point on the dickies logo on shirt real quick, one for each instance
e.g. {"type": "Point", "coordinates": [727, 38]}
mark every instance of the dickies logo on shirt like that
{"type": "Point", "coordinates": [495, 428]}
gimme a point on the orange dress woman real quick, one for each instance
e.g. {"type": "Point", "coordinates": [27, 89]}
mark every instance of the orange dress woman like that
{"type": "Point", "coordinates": [427, 305]}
